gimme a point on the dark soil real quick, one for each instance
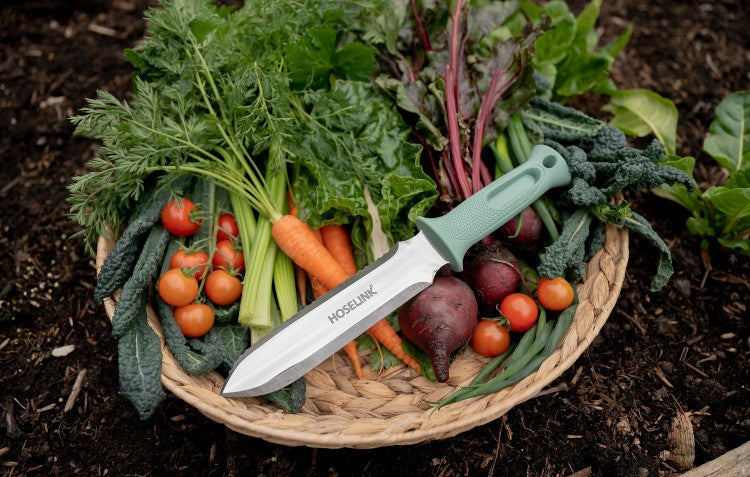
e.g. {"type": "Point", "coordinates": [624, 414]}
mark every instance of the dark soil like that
{"type": "Point", "coordinates": [685, 348]}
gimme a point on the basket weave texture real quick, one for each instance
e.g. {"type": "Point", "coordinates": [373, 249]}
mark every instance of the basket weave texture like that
{"type": "Point", "coordinates": [391, 407]}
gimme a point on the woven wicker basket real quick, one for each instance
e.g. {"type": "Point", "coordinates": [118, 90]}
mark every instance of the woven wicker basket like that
{"type": "Point", "coordinates": [390, 408]}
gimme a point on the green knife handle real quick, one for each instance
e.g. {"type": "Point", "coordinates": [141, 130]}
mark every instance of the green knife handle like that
{"type": "Point", "coordinates": [494, 205]}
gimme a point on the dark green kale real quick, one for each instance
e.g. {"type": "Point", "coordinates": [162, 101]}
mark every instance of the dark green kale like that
{"type": "Point", "coordinates": [603, 166]}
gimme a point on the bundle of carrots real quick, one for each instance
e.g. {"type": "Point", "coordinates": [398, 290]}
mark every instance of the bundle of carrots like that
{"type": "Point", "coordinates": [326, 256]}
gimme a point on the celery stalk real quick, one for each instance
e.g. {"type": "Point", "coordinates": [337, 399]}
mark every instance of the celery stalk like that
{"type": "Point", "coordinates": [284, 282]}
{"type": "Point", "coordinates": [260, 318]}
{"type": "Point", "coordinates": [285, 286]}
{"type": "Point", "coordinates": [257, 285]}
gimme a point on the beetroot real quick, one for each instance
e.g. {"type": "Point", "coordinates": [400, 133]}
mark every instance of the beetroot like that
{"type": "Point", "coordinates": [530, 233]}
{"type": "Point", "coordinates": [439, 320]}
{"type": "Point", "coordinates": [493, 274]}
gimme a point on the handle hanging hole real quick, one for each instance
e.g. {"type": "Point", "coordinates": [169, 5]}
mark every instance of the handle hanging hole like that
{"type": "Point", "coordinates": [549, 161]}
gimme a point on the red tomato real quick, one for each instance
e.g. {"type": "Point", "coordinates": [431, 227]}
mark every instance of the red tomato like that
{"type": "Point", "coordinates": [490, 338]}
{"type": "Point", "coordinates": [177, 289]}
{"type": "Point", "coordinates": [520, 310]}
{"type": "Point", "coordinates": [227, 227]}
{"type": "Point", "coordinates": [194, 320]}
{"type": "Point", "coordinates": [182, 259]}
{"type": "Point", "coordinates": [176, 217]}
{"type": "Point", "coordinates": [556, 294]}
{"type": "Point", "coordinates": [227, 257]}
{"type": "Point", "coordinates": [223, 288]}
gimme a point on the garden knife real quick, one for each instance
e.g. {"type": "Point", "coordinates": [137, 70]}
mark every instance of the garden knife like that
{"type": "Point", "coordinates": [328, 324]}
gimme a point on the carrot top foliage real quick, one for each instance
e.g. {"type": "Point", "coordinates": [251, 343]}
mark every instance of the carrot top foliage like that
{"type": "Point", "coordinates": [227, 94]}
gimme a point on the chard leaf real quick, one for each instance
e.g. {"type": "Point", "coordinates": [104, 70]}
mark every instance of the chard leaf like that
{"type": "Point", "coordinates": [356, 139]}
{"type": "Point", "coordinates": [639, 112]}
{"type": "Point", "coordinates": [139, 363]}
{"type": "Point", "coordinates": [740, 245]}
{"type": "Point", "coordinates": [734, 203]}
{"type": "Point", "coordinates": [310, 59]}
{"type": "Point", "coordinates": [619, 44]}
{"type": "Point", "coordinates": [408, 99]}
{"type": "Point", "coordinates": [637, 223]}
{"type": "Point", "coordinates": [685, 164]}
{"type": "Point", "coordinates": [700, 226]}
{"type": "Point", "coordinates": [740, 179]}
{"type": "Point", "coordinates": [678, 192]}
{"type": "Point", "coordinates": [354, 61]}
{"type": "Point", "coordinates": [567, 55]}
{"type": "Point", "coordinates": [728, 139]}
{"type": "Point", "coordinates": [577, 75]}
{"type": "Point", "coordinates": [314, 57]}
{"type": "Point", "coordinates": [532, 10]}
{"type": "Point", "coordinates": [553, 45]}
{"type": "Point", "coordinates": [585, 34]}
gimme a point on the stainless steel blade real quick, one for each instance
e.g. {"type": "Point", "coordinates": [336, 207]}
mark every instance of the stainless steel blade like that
{"type": "Point", "coordinates": [326, 326]}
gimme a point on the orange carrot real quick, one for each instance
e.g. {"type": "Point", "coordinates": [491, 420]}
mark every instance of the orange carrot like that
{"type": "Point", "coordinates": [351, 351]}
{"type": "Point", "coordinates": [298, 241]}
{"type": "Point", "coordinates": [300, 276]}
{"type": "Point", "coordinates": [319, 289]}
{"type": "Point", "coordinates": [351, 347]}
{"type": "Point", "coordinates": [292, 206]}
{"type": "Point", "coordinates": [336, 239]}
{"type": "Point", "coordinates": [384, 332]}
{"type": "Point", "coordinates": [337, 242]}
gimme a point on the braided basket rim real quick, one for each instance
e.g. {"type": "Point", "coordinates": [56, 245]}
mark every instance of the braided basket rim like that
{"type": "Point", "coordinates": [402, 424]}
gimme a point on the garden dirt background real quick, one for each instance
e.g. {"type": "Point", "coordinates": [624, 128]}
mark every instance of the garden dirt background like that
{"type": "Point", "coordinates": [686, 348]}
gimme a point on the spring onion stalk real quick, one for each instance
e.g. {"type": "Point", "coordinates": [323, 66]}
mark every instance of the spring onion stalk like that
{"type": "Point", "coordinates": [503, 162]}
{"type": "Point", "coordinates": [528, 347]}
{"type": "Point", "coordinates": [512, 375]}
{"type": "Point", "coordinates": [521, 147]}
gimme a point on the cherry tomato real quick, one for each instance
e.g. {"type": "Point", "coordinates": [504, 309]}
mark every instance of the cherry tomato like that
{"type": "Point", "coordinates": [227, 227]}
{"type": "Point", "coordinates": [490, 338]}
{"type": "Point", "coordinates": [520, 310]}
{"type": "Point", "coordinates": [182, 259]}
{"type": "Point", "coordinates": [223, 288]}
{"type": "Point", "coordinates": [194, 320]}
{"type": "Point", "coordinates": [556, 294]}
{"type": "Point", "coordinates": [175, 216]}
{"type": "Point", "coordinates": [176, 288]}
{"type": "Point", "coordinates": [227, 257]}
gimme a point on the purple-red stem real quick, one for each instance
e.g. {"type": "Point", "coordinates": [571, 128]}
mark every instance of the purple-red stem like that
{"type": "Point", "coordinates": [454, 45]}
{"type": "Point", "coordinates": [420, 28]}
{"type": "Point", "coordinates": [453, 134]}
{"type": "Point", "coordinates": [434, 166]}
{"type": "Point", "coordinates": [490, 98]}
{"type": "Point", "coordinates": [453, 183]}
{"type": "Point", "coordinates": [486, 176]}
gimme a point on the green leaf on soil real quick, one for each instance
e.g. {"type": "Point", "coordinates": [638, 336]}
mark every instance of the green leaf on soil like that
{"type": "Point", "coordinates": [639, 112]}
{"type": "Point", "coordinates": [728, 139]}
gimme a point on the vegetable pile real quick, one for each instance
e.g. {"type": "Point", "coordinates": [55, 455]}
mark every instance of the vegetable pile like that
{"type": "Point", "coordinates": [267, 153]}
